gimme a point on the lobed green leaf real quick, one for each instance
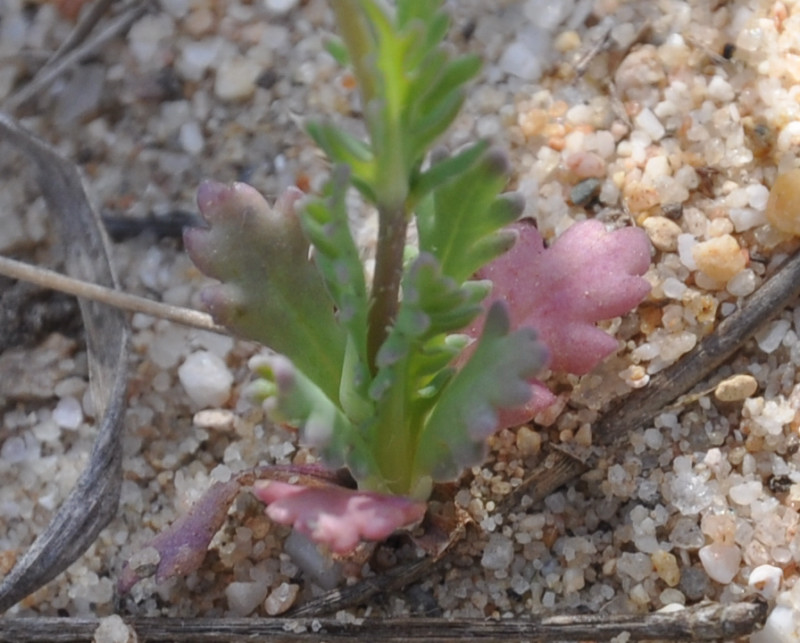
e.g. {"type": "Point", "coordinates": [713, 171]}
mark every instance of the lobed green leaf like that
{"type": "Point", "coordinates": [461, 222]}
{"type": "Point", "coordinates": [291, 398]}
{"type": "Point", "coordinates": [270, 291]}
{"type": "Point", "coordinates": [326, 225]}
{"type": "Point", "coordinates": [466, 413]}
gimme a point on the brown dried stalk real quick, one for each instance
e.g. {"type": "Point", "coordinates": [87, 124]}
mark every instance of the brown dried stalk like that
{"type": "Point", "coordinates": [707, 622]}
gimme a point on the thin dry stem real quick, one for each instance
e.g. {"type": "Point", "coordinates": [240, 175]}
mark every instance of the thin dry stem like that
{"type": "Point", "coordinates": [109, 296]}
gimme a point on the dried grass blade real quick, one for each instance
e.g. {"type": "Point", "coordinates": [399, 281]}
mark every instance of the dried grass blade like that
{"type": "Point", "coordinates": [93, 501]}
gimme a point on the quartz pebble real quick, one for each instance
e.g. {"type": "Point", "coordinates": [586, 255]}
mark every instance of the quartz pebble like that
{"type": "Point", "coordinates": [281, 598]}
{"type": "Point", "coordinates": [746, 493]}
{"type": "Point", "coordinates": [736, 388]}
{"type": "Point", "coordinates": [112, 629]}
{"type": "Point", "coordinates": [663, 233]}
{"type": "Point", "coordinates": [245, 597]}
{"type": "Point", "coordinates": [721, 561]}
{"type": "Point", "coordinates": [766, 580]}
{"type": "Point", "coordinates": [280, 7]}
{"type": "Point", "coordinates": [783, 205]}
{"type": "Point", "coordinates": [770, 338]}
{"type": "Point", "coordinates": [145, 561]}
{"type": "Point", "coordinates": [206, 379]}
{"type": "Point", "coordinates": [217, 419]}
{"type": "Point", "coordinates": [68, 413]}
{"type": "Point", "coordinates": [720, 258]}
{"type": "Point", "coordinates": [666, 566]}
{"type": "Point", "coordinates": [782, 626]}
{"type": "Point", "coordinates": [236, 79]}
{"type": "Point", "coordinates": [498, 553]}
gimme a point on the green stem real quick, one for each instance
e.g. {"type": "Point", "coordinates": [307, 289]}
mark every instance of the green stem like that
{"type": "Point", "coordinates": [391, 184]}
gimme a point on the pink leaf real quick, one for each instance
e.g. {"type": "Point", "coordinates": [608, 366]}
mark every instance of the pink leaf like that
{"type": "Point", "coordinates": [335, 516]}
{"type": "Point", "coordinates": [587, 275]}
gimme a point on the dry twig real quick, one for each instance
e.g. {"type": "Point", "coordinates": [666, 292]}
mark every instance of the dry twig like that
{"type": "Point", "coordinates": [708, 622]}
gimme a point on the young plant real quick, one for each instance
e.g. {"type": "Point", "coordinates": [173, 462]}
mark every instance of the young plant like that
{"type": "Point", "coordinates": [400, 381]}
{"type": "Point", "coordinates": [367, 373]}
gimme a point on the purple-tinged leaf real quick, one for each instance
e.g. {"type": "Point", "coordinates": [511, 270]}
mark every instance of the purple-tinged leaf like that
{"type": "Point", "coordinates": [182, 547]}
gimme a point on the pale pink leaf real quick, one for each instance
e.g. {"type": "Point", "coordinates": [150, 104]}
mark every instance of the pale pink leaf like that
{"type": "Point", "coordinates": [335, 516]}
{"type": "Point", "coordinates": [587, 275]}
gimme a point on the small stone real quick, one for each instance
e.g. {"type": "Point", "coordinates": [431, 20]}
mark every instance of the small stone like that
{"type": "Point", "coordinates": [112, 629]}
{"type": "Point", "coordinates": [574, 580]}
{"type": "Point", "coordinates": [771, 337]}
{"type": "Point", "coordinates": [766, 580]}
{"type": "Point", "coordinates": [520, 61]}
{"type": "Point", "coordinates": [281, 598]}
{"type": "Point", "coordinates": [217, 419]}
{"type": "Point", "coordinates": [586, 165]}
{"type": "Point", "coordinates": [663, 233]}
{"type": "Point", "coordinates": [782, 626]}
{"type": "Point", "coordinates": [783, 205]}
{"type": "Point", "coordinates": [68, 413]}
{"type": "Point", "coordinates": [145, 562]}
{"type": "Point", "coordinates": [583, 436]}
{"type": "Point", "coordinates": [639, 197]}
{"type": "Point", "coordinates": [666, 566]}
{"type": "Point", "coordinates": [694, 584]}
{"type": "Point", "coordinates": [244, 597]}
{"type": "Point", "coordinates": [533, 122]}
{"type": "Point", "coordinates": [584, 192]}
{"type": "Point", "coordinates": [280, 7]}
{"type": "Point", "coordinates": [746, 493]}
{"type": "Point", "coordinates": [638, 566]}
{"type": "Point", "coordinates": [736, 388]}
{"type": "Point", "coordinates": [498, 554]}
{"type": "Point", "coordinates": [720, 561]}
{"type": "Point", "coordinates": [236, 79]}
{"type": "Point", "coordinates": [647, 121]}
{"type": "Point", "coordinates": [199, 22]}
{"type": "Point", "coordinates": [191, 137]}
{"type": "Point", "coordinates": [746, 218]}
{"type": "Point", "coordinates": [720, 258]}
{"type": "Point", "coordinates": [206, 379]}
{"type": "Point", "coordinates": [742, 284]}
{"type": "Point", "coordinates": [529, 442]}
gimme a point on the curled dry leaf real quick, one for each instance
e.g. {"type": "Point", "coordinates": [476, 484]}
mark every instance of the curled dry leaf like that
{"type": "Point", "coordinates": [182, 547]}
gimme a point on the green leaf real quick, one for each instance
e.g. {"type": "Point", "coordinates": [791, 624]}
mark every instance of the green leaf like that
{"type": "Point", "coordinates": [337, 258]}
{"type": "Point", "coordinates": [344, 149]}
{"type": "Point", "coordinates": [414, 362]}
{"type": "Point", "coordinates": [270, 291]}
{"type": "Point", "coordinates": [291, 398]}
{"type": "Point", "coordinates": [428, 127]}
{"type": "Point", "coordinates": [495, 377]}
{"type": "Point", "coordinates": [336, 48]}
{"type": "Point", "coordinates": [410, 10]}
{"type": "Point", "coordinates": [451, 78]}
{"type": "Point", "coordinates": [445, 169]}
{"type": "Point", "coordinates": [461, 222]}
{"type": "Point", "coordinates": [433, 305]}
